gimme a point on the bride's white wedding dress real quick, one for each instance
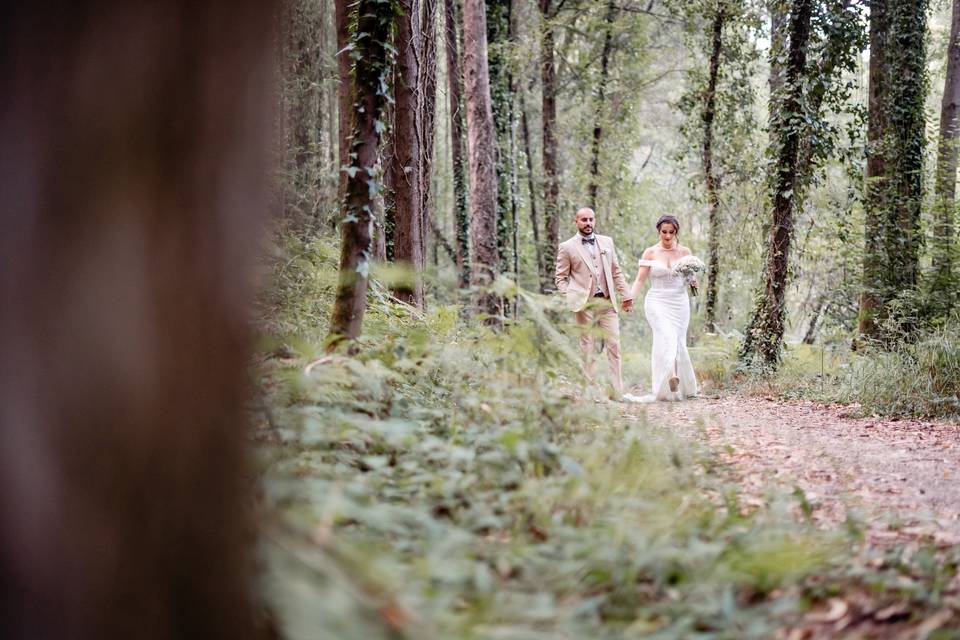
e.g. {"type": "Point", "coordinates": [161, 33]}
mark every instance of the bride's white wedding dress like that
{"type": "Point", "coordinates": [667, 308]}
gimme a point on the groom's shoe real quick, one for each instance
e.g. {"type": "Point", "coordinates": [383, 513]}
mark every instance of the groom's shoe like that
{"type": "Point", "coordinates": [674, 384]}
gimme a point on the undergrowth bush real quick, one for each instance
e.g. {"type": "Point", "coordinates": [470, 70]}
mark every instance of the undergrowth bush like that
{"type": "Point", "coordinates": [918, 378]}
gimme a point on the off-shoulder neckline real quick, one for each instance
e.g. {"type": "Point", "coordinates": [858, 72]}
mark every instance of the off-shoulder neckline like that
{"type": "Point", "coordinates": [651, 263]}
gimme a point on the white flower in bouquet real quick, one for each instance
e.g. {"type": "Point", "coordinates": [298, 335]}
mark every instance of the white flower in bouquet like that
{"type": "Point", "coordinates": [688, 267]}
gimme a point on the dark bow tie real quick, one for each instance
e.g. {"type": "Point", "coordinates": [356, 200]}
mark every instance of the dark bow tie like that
{"type": "Point", "coordinates": [589, 240]}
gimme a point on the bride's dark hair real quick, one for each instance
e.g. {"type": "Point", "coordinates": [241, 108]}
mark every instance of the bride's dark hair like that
{"type": "Point", "coordinates": [672, 220]}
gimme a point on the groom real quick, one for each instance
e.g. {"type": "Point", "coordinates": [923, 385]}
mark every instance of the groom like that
{"type": "Point", "coordinates": [589, 276]}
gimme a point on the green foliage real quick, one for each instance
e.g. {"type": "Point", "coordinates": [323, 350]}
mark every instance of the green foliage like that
{"type": "Point", "coordinates": [920, 378]}
{"type": "Point", "coordinates": [444, 482]}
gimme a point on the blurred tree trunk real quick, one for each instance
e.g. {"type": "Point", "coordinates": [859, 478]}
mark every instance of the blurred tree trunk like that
{"type": "Point", "coordinates": [501, 95]}
{"type": "Point", "coordinates": [455, 78]}
{"type": "Point", "coordinates": [605, 54]}
{"type": "Point", "coordinates": [531, 186]}
{"type": "Point", "coordinates": [405, 160]}
{"type": "Point", "coordinates": [132, 170]}
{"type": "Point", "coordinates": [946, 176]}
{"type": "Point", "coordinates": [764, 335]}
{"type": "Point", "coordinates": [895, 147]}
{"type": "Point", "coordinates": [372, 62]}
{"type": "Point", "coordinates": [712, 183]}
{"type": "Point", "coordinates": [481, 144]}
{"type": "Point", "coordinates": [811, 335]}
{"type": "Point", "coordinates": [426, 115]}
{"type": "Point", "coordinates": [342, 14]}
{"type": "Point", "coordinates": [778, 44]}
{"type": "Point", "coordinates": [551, 194]}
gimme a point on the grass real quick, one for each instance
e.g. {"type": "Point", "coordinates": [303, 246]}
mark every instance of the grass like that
{"type": "Point", "coordinates": [446, 483]}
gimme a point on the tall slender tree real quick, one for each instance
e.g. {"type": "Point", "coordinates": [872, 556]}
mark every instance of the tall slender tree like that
{"type": "Point", "coordinates": [946, 176]}
{"type": "Point", "coordinates": [342, 16]}
{"type": "Point", "coordinates": [809, 58]}
{"type": "Point", "coordinates": [531, 185]}
{"type": "Point", "coordinates": [710, 177]}
{"type": "Point", "coordinates": [551, 177]}
{"type": "Point", "coordinates": [605, 54]}
{"type": "Point", "coordinates": [501, 95]}
{"type": "Point", "coordinates": [426, 114]}
{"type": "Point", "coordinates": [481, 137]}
{"type": "Point", "coordinates": [455, 93]}
{"type": "Point", "coordinates": [371, 68]}
{"type": "Point", "coordinates": [405, 159]}
{"type": "Point", "coordinates": [764, 336]}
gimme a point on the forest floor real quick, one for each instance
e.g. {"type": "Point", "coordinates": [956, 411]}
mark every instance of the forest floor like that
{"type": "Point", "coordinates": [899, 475]}
{"type": "Point", "coordinates": [896, 477]}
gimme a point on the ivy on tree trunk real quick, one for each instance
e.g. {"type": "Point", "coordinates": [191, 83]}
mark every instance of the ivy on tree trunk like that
{"type": "Point", "coordinates": [764, 335]}
{"type": "Point", "coordinates": [371, 66]}
{"type": "Point", "coordinates": [455, 79]}
{"type": "Point", "coordinates": [895, 147]}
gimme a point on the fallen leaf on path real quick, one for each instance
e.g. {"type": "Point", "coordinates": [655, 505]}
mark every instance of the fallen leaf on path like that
{"type": "Point", "coordinates": [837, 608]}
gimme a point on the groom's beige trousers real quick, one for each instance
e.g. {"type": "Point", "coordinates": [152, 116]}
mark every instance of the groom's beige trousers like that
{"type": "Point", "coordinates": [599, 317]}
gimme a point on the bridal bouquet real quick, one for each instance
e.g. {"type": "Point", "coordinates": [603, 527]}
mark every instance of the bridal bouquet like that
{"type": "Point", "coordinates": [688, 267]}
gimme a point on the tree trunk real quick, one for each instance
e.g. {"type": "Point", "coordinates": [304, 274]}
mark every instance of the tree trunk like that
{"type": "Point", "coordinates": [872, 296]}
{"type": "Point", "coordinates": [455, 77]}
{"type": "Point", "coordinates": [343, 10]}
{"type": "Point", "coordinates": [946, 177]}
{"type": "Point", "coordinates": [498, 48]}
{"type": "Point", "coordinates": [551, 179]}
{"type": "Point", "coordinates": [531, 186]}
{"type": "Point", "coordinates": [426, 115]}
{"type": "Point", "coordinates": [895, 147]}
{"type": "Point", "coordinates": [407, 234]}
{"type": "Point", "coordinates": [713, 188]}
{"type": "Point", "coordinates": [372, 62]}
{"type": "Point", "coordinates": [778, 44]}
{"type": "Point", "coordinates": [132, 169]}
{"type": "Point", "coordinates": [481, 138]}
{"type": "Point", "coordinates": [764, 336]}
{"type": "Point", "coordinates": [605, 54]}
{"type": "Point", "coordinates": [811, 335]}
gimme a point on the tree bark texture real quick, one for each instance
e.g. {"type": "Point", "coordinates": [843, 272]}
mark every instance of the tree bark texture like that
{"type": "Point", "coordinates": [455, 78]}
{"type": "Point", "coordinates": [371, 67]}
{"type": "Point", "coordinates": [710, 178]}
{"type": "Point", "coordinates": [551, 178]}
{"type": "Point", "coordinates": [342, 15]}
{"type": "Point", "coordinates": [946, 176]}
{"type": "Point", "coordinates": [481, 141]}
{"type": "Point", "coordinates": [133, 172]}
{"type": "Point", "coordinates": [764, 336]}
{"type": "Point", "coordinates": [426, 113]}
{"type": "Point", "coordinates": [407, 230]}
{"type": "Point", "coordinates": [605, 54]}
{"type": "Point", "coordinates": [498, 49]}
{"type": "Point", "coordinates": [895, 145]}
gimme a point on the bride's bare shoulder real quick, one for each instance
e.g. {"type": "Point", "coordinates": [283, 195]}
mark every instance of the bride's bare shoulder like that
{"type": "Point", "coordinates": [650, 253]}
{"type": "Point", "coordinates": [685, 251]}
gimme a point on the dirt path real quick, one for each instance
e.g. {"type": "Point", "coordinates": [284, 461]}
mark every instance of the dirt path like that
{"type": "Point", "coordinates": [900, 475]}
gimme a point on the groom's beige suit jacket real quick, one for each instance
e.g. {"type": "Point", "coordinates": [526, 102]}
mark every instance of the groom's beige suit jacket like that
{"type": "Point", "coordinates": [575, 274]}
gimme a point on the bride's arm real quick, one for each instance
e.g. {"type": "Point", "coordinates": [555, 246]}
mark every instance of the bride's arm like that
{"type": "Point", "coordinates": [642, 273]}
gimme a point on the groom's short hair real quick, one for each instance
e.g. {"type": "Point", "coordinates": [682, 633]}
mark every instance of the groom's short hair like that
{"type": "Point", "coordinates": [577, 214]}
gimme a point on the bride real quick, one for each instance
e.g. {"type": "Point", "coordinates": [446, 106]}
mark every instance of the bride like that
{"type": "Point", "coordinates": [667, 309]}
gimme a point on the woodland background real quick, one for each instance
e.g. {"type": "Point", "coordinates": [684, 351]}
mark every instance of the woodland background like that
{"type": "Point", "coordinates": [426, 454]}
